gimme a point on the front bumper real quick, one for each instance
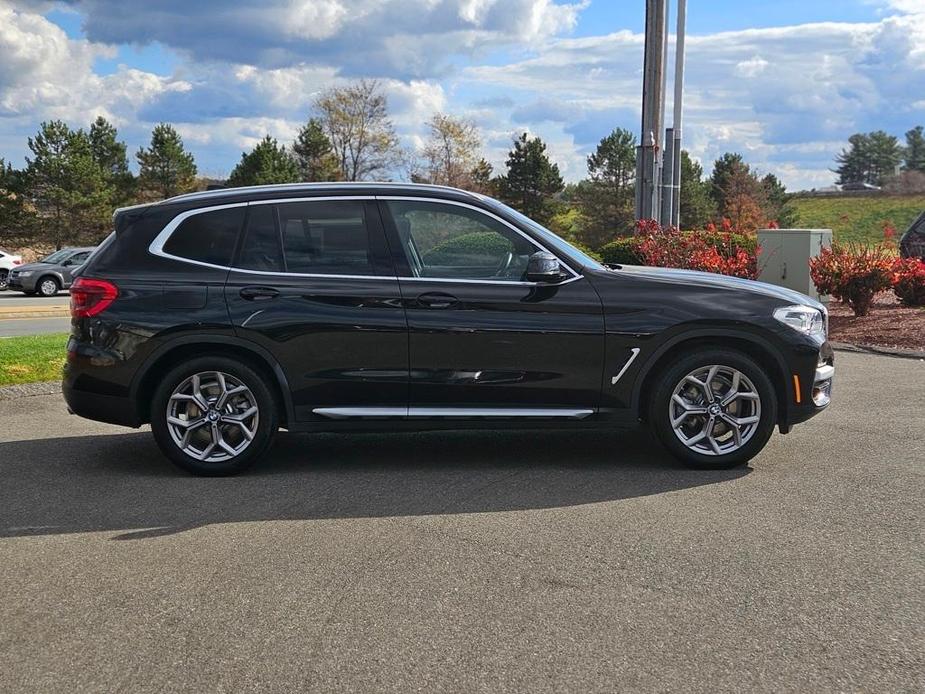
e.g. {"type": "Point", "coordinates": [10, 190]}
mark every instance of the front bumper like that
{"type": "Point", "coordinates": [21, 284]}
{"type": "Point", "coordinates": [811, 389]}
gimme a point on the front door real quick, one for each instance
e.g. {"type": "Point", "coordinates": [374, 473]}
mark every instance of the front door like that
{"type": "Point", "coordinates": [482, 340]}
{"type": "Point", "coordinates": [313, 283]}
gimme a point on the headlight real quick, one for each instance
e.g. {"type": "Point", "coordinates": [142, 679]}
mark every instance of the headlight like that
{"type": "Point", "coordinates": [25, 273]}
{"type": "Point", "coordinates": [804, 319]}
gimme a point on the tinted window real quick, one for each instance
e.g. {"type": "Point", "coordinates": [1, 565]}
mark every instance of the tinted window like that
{"type": "Point", "coordinates": [326, 237]}
{"type": "Point", "coordinates": [56, 257]}
{"type": "Point", "coordinates": [208, 237]}
{"type": "Point", "coordinates": [449, 241]}
{"type": "Point", "coordinates": [261, 249]}
{"type": "Point", "coordinates": [79, 257]}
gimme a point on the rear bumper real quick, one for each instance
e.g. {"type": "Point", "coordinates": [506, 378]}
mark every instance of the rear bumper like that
{"type": "Point", "coordinates": [101, 408]}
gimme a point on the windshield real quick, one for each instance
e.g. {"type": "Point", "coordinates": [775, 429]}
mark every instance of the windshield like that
{"type": "Point", "coordinates": [56, 257]}
{"type": "Point", "coordinates": [554, 242]}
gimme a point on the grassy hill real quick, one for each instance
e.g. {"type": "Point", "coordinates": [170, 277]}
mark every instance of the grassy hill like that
{"type": "Point", "coordinates": [859, 219]}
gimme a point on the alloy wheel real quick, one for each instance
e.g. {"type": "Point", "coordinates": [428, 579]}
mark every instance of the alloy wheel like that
{"type": "Point", "coordinates": [48, 287]}
{"type": "Point", "coordinates": [715, 410]}
{"type": "Point", "coordinates": [212, 416]}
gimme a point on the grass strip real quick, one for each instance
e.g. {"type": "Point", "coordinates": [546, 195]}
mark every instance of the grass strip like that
{"type": "Point", "coordinates": [31, 358]}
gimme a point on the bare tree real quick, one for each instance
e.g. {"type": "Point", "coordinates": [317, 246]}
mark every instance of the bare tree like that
{"type": "Point", "coordinates": [451, 154]}
{"type": "Point", "coordinates": [356, 120]}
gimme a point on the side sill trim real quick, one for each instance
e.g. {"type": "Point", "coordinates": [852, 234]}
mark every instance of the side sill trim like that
{"type": "Point", "coordinates": [476, 412]}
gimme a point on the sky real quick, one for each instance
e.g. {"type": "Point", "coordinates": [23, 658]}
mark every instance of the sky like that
{"type": "Point", "coordinates": [783, 82]}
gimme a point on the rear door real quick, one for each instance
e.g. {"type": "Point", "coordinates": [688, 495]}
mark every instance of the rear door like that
{"type": "Point", "coordinates": [313, 283]}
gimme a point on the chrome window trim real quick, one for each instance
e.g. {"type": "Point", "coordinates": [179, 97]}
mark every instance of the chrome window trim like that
{"type": "Point", "coordinates": [156, 247]}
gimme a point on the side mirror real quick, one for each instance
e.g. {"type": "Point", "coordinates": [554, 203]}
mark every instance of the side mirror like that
{"type": "Point", "coordinates": [543, 267]}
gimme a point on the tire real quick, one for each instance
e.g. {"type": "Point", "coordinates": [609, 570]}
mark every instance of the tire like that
{"type": "Point", "coordinates": [4, 280]}
{"type": "Point", "coordinates": [48, 286]}
{"type": "Point", "coordinates": [176, 390]}
{"type": "Point", "coordinates": [753, 408]}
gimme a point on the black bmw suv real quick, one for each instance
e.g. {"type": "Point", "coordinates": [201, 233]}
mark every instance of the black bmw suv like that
{"type": "Point", "coordinates": [221, 316]}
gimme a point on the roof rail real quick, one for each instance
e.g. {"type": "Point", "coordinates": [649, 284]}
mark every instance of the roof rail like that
{"type": "Point", "coordinates": [295, 187]}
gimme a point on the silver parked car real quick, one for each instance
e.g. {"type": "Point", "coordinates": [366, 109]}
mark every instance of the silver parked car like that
{"type": "Point", "coordinates": [50, 275]}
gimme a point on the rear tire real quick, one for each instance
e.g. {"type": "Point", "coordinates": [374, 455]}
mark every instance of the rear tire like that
{"type": "Point", "coordinates": [213, 416]}
{"type": "Point", "coordinates": [713, 409]}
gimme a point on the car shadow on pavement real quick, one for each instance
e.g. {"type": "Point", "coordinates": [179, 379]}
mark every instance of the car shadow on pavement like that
{"type": "Point", "coordinates": [123, 483]}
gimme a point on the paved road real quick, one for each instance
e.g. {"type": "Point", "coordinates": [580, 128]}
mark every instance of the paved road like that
{"type": "Point", "coordinates": [11, 327]}
{"type": "Point", "coordinates": [11, 298]}
{"type": "Point", "coordinates": [470, 562]}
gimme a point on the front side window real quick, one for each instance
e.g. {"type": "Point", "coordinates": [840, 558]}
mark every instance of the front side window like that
{"type": "Point", "coordinates": [444, 241]}
{"type": "Point", "coordinates": [207, 237]}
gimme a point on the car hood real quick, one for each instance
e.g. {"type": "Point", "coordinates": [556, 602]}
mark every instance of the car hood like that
{"type": "Point", "coordinates": [37, 266]}
{"type": "Point", "coordinates": [709, 279]}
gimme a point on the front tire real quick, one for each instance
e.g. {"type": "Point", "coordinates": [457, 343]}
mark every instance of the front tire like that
{"type": "Point", "coordinates": [713, 409]}
{"type": "Point", "coordinates": [48, 286]}
{"type": "Point", "coordinates": [213, 416]}
{"type": "Point", "coordinates": [4, 280]}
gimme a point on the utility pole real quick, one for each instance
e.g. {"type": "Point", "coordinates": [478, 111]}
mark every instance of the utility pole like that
{"type": "Point", "coordinates": [648, 152]}
{"type": "Point", "coordinates": [658, 162]}
{"type": "Point", "coordinates": [676, 122]}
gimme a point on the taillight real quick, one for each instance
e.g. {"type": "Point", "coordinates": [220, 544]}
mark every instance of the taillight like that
{"type": "Point", "coordinates": [17, 262]}
{"type": "Point", "coordinates": [90, 296]}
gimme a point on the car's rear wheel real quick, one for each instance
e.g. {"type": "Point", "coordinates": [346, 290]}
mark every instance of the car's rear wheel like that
{"type": "Point", "coordinates": [713, 409]}
{"type": "Point", "coordinates": [213, 416]}
{"type": "Point", "coordinates": [48, 286]}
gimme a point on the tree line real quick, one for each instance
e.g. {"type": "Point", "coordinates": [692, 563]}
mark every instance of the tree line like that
{"type": "Point", "coordinates": [878, 159]}
{"type": "Point", "coordinates": [73, 179]}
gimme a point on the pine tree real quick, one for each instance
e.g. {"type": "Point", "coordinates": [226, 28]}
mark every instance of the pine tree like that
{"type": "Point", "coordinates": [914, 153]}
{"type": "Point", "coordinates": [71, 195]}
{"type": "Point", "coordinates": [531, 180]}
{"type": "Point", "coordinates": [110, 155]}
{"type": "Point", "coordinates": [607, 199]}
{"type": "Point", "coordinates": [697, 207]}
{"type": "Point", "coordinates": [481, 178]}
{"type": "Point", "coordinates": [870, 158]}
{"type": "Point", "coordinates": [777, 208]}
{"type": "Point", "coordinates": [265, 164]}
{"type": "Point", "coordinates": [166, 168]}
{"type": "Point", "coordinates": [314, 155]}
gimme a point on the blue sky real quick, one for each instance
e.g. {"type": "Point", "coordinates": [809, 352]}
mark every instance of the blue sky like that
{"type": "Point", "coordinates": [783, 82]}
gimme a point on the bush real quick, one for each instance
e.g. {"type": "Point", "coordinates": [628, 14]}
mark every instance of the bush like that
{"type": "Point", "coordinates": [623, 251]}
{"type": "Point", "coordinates": [853, 274]}
{"type": "Point", "coordinates": [722, 252]}
{"type": "Point", "coordinates": [480, 243]}
{"type": "Point", "coordinates": [909, 281]}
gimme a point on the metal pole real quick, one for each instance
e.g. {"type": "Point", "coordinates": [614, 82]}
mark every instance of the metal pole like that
{"type": "Point", "coordinates": [676, 122]}
{"type": "Point", "coordinates": [647, 152]}
{"type": "Point", "coordinates": [666, 179]}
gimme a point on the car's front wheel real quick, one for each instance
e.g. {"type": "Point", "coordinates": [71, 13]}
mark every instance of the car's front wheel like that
{"type": "Point", "coordinates": [713, 409]}
{"type": "Point", "coordinates": [213, 416]}
{"type": "Point", "coordinates": [48, 286]}
{"type": "Point", "coordinates": [4, 279]}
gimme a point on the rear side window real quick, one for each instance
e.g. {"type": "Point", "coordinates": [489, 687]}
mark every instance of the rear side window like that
{"type": "Point", "coordinates": [327, 237]}
{"type": "Point", "coordinates": [208, 237]}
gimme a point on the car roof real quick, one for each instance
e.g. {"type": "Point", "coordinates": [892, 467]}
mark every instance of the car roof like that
{"type": "Point", "coordinates": [221, 196]}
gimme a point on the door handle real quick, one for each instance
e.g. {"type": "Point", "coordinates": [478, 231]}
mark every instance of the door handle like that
{"type": "Point", "coordinates": [258, 293]}
{"type": "Point", "coordinates": [437, 300]}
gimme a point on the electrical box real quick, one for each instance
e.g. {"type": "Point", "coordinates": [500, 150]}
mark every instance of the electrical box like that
{"type": "Point", "coordinates": [783, 257]}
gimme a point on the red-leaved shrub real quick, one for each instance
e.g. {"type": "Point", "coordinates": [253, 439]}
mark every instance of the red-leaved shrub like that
{"type": "Point", "coordinates": [853, 274]}
{"type": "Point", "coordinates": [722, 252]}
{"type": "Point", "coordinates": [909, 281]}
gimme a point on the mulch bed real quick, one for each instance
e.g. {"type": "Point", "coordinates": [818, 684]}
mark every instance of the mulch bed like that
{"type": "Point", "coordinates": [889, 324]}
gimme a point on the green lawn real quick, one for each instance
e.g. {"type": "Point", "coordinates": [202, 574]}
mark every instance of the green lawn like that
{"type": "Point", "coordinates": [32, 358]}
{"type": "Point", "coordinates": [859, 219]}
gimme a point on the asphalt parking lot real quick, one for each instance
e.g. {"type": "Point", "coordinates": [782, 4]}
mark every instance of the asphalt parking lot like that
{"type": "Point", "coordinates": [470, 561]}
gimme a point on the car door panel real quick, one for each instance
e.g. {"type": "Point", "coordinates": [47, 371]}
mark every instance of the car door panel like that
{"type": "Point", "coordinates": [341, 340]}
{"type": "Point", "coordinates": [488, 344]}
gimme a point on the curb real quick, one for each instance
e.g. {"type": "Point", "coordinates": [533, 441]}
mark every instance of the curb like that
{"type": "Point", "coordinates": [34, 312]}
{"type": "Point", "coordinates": [882, 351]}
{"type": "Point", "coordinates": [25, 390]}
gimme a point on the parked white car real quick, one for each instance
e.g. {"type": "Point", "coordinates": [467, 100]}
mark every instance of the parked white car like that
{"type": "Point", "coordinates": [7, 262]}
